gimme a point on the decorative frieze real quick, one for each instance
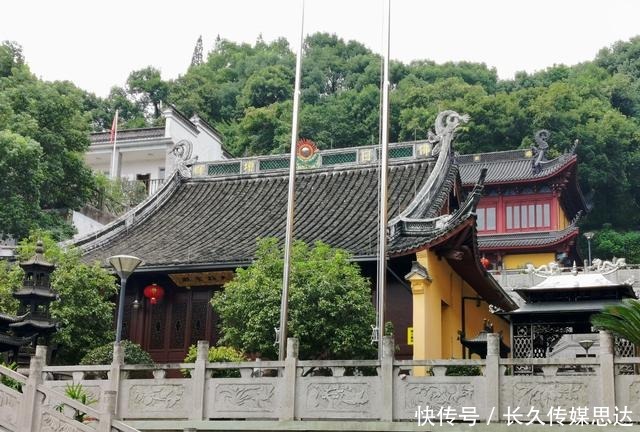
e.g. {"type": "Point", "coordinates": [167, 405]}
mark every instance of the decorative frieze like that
{"type": "Point", "coordinates": [438, 395]}
{"type": "Point", "coordinates": [51, 423]}
{"type": "Point", "coordinates": [8, 407]}
{"type": "Point", "coordinates": [546, 395]}
{"type": "Point", "coordinates": [353, 397]}
{"type": "Point", "coordinates": [244, 397]}
{"type": "Point", "coordinates": [156, 397]}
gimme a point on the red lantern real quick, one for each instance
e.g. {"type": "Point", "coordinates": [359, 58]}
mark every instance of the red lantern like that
{"type": "Point", "coordinates": [485, 262]}
{"type": "Point", "coordinates": [153, 292]}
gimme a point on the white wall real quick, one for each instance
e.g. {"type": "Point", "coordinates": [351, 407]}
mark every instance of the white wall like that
{"type": "Point", "coordinates": [84, 224]}
{"type": "Point", "coordinates": [151, 165]}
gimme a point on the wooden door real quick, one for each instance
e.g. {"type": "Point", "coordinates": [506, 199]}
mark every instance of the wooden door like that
{"type": "Point", "coordinates": [181, 319]}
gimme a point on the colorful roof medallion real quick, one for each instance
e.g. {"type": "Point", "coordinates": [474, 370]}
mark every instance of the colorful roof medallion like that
{"type": "Point", "coordinates": [306, 154]}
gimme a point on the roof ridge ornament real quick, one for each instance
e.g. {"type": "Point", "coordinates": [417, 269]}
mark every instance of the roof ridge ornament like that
{"type": "Point", "coordinates": [544, 270]}
{"type": "Point", "coordinates": [606, 267]}
{"type": "Point", "coordinates": [446, 124]}
{"type": "Point", "coordinates": [541, 138]}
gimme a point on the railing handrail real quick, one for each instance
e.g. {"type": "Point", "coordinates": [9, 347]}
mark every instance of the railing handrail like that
{"type": "Point", "coordinates": [449, 362]}
{"type": "Point", "coordinates": [61, 397]}
{"type": "Point", "coordinates": [13, 374]}
{"type": "Point", "coordinates": [550, 361]}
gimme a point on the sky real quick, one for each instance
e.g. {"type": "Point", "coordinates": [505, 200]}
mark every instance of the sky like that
{"type": "Point", "coordinates": [97, 44]}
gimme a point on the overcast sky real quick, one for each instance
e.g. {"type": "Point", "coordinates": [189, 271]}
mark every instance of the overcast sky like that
{"type": "Point", "coordinates": [96, 45]}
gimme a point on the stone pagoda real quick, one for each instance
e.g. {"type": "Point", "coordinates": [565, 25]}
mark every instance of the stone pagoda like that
{"type": "Point", "coordinates": [33, 324]}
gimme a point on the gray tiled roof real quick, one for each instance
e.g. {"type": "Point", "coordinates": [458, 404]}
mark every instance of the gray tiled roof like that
{"type": "Point", "coordinates": [531, 240]}
{"type": "Point", "coordinates": [128, 135]}
{"type": "Point", "coordinates": [508, 167]}
{"type": "Point", "coordinates": [215, 221]}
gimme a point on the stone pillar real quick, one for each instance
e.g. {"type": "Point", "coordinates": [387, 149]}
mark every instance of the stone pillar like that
{"type": "Point", "coordinates": [607, 372]}
{"type": "Point", "coordinates": [199, 380]}
{"type": "Point", "coordinates": [288, 409]}
{"type": "Point", "coordinates": [29, 410]}
{"type": "Point", "coordinates": [115, 374]}
{"type": "Point", "coordinates": [386, 369]}
{"type": "Point", "coordinates": [108, 410]}
{"type": "Point", "coordinates": [492, 376]}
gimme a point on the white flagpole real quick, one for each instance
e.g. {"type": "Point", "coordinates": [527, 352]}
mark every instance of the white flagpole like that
{"type": "Point", "coordinates": [384, 144]}
{"type": "Point", "coordinates": [114, 132]}
{"type": "Point", "coordinates": [284, 301]}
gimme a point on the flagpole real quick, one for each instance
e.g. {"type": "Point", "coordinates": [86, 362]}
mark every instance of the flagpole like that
{"type": "Point", "coordinates": [384, 144]}
{"type": "Point", "coordinates": [114, 137]}
{"type": "Point", "coordinates": [284, 301]}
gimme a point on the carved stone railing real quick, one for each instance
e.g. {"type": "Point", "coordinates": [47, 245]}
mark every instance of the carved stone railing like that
{"type": "Point", "coordinates": [389, 390]}
{"type": "Point", "coordinates": [26, 404]}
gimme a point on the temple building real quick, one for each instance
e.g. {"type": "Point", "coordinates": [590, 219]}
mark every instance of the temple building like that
{"type": "Point", "coordinates": [530, 206]}
{"type": "Point", "coordinates": [554, 315]}
{"type": "Point", "coordinates": [204, 221]}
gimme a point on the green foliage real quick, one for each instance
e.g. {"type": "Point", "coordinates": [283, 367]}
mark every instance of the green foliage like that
{"type": "Point", "coordinates": [10, 57]}
{"type": "Point", "coordinates": [77, 392]}
{"type": "Point", "coordinates": [609, 243]}
{"type": "Point", "coordinates": [43, 134]}
{"type": "Point", "coordinates": [10, 280]}
{"type": "Point", "coordinates": [330, 308]}
{"type": "Point", "coordinates": [10, 382]}
{"type": "Point", "coordinates": [133, 354]}
{"type": "Point", "coordinates": [218, 354]}
{"type": "Point", "coordinates": [21, 177]}
{"type": "Point", "coordinates": [148, 89]}
{"type": "Point", "coordinates": [463, 370]}
{"type": "Point", "coordinates": [83, 310]}
{"type": "Point", "coordinates": [117, 196]}
{"type": "Point", "coordinates": [622, 320]}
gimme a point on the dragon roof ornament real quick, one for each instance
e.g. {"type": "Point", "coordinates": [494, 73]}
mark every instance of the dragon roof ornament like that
{"type": "Point", "coordinates": [446, 124]}
{"type": "Point", "coordinates": [540, 138]}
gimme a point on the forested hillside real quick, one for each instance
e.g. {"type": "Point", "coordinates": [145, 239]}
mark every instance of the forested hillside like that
{"type": "Point", "coordinates": [245, 91]}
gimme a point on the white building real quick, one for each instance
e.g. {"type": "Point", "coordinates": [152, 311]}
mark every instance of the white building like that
{"type": "Point", "coordinates": [150, 154]}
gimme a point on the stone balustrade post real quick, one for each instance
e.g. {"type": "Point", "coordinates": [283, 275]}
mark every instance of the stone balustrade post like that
{"type": "Point", "coordinates": [29, 410]}
{"type": "Point", "coordinates": [492, 376]}
{"type": "Point", "coordinates": [607, 372]}
{"type": "Point", "coordinates": [115, 373]}
{"type": "Point", "coordinates": [288, 406]}
{"type": "Point", "coordinates": [199, 380]}
{"type": "Point", "coordinates": [108, 410]}
{"type": "Point", "coordinates": [386, 369]}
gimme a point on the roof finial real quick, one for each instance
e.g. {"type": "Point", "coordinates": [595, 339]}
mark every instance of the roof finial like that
{"type": "Point", "coordinates": [541, 138]}
{"type": "Point", "coordinates": [39, 247]}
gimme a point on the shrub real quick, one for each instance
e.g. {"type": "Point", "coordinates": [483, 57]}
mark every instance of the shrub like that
{"type": "Point", "coordinates": [77, 392]}
{"type": "Point", "coordinates": [133, 354]}
{"type": "Point", "coordinates": [8, 381]}
{"type": "Point", "coordinates": [463, 371]}
{"type": "Point", "coordinates": [218, 354]}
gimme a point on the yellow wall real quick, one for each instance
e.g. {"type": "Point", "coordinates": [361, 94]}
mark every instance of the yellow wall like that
{"type": "Point", "coordinates": [521, 260]}
{"type": "Point", "coordinates": [563, 222]}
{"type": "Point", "coordinates": [437, 311]}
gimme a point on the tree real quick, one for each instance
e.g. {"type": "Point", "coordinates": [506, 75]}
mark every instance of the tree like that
{"type": "Point", "coordinates": [84, 309]}
{"type": "Point", "coordinates": [148, 89]}
{"type": "Point", "coordinates": [21, 177]}
{"type": "Point", "coordinates": [10, 281]}
{"type": "Point", "coordinates": [330, 308]}
{"type": "Point", "coordinates": [10, 57]}
{"type": "Point", "coordinates": [51, 115]}
{"type": "Point", "coordinates": [622, 320]}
